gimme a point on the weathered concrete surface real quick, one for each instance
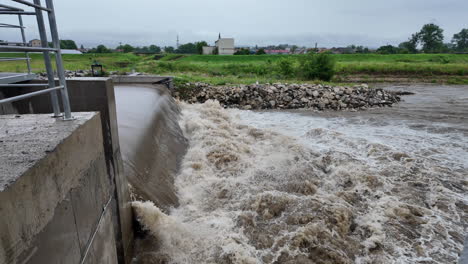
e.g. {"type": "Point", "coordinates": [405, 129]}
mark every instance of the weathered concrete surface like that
{"type": "Point", "coordinates": [54, 191]}
{"type": "Point", "coordinates": [94, 94]}
{"type": "Point", "coordinates": [97, 94]}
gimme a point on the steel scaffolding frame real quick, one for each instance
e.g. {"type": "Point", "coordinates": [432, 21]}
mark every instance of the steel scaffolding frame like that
{"type": "Point", "coordinates": [51, 87]}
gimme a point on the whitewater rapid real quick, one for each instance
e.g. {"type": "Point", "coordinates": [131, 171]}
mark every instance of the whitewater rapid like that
{"type": "Point", "coordinates": [301, 187]}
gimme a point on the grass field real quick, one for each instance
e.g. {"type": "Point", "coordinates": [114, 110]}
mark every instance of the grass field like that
{"type": "Point", "coordinates": [450, 68]}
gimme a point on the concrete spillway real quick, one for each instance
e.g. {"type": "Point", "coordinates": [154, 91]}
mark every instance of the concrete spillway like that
{"type": "Point", "coordinates": [151, 141]}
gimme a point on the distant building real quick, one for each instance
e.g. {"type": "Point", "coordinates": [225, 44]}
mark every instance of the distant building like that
{"type": "Point", "coordinates": [35, 43]}
{"type": "Point", "coordinates": [223, 46]}
{"type": "Point", "coordinates": [322, 50]}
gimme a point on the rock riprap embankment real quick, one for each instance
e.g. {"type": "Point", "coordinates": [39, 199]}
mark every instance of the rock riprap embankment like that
{"type": "Point", "coordinates": [288, 96]}
{"type": "Point", "coordinates": [80, 73]}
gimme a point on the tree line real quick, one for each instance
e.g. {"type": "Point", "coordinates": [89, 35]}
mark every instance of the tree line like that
{"type": "Point", "coordinates": [188, 48]}
{"type": "Point", "coordinates": [430, 39]}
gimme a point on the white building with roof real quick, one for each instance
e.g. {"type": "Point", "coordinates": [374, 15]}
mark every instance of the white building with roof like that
{"type": "Point", "coordinates": [223, 46]}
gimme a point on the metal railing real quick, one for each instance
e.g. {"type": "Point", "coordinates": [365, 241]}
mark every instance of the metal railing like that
{"type": "Point", "coordinates": [51, 87]}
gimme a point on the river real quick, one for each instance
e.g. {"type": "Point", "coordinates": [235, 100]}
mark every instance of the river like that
{"type": "Point", "coordinates": [386, 185]}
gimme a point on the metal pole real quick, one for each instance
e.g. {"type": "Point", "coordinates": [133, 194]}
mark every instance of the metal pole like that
{"type": "Point", "coordinates": [36, 6]}
{"type": "Point", "coordinates": [23, 36]}
{"type": "Point", "coordinates": [24, 96]}
{"type": "Point", "coordinates": [2, 12]}
{"type": "Point", "coordinates": [48, 63]}
{"type": "Point", "coordinates": [24, 85]}
{"type": "Point", "coordinates": [58, 59]}
{"type": "Point", "coordinates": [11, 7]}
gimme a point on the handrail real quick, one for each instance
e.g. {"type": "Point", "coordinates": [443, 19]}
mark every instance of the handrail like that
{"type": "Point", "coordinates": [17, 13]}
{"type": "Point", "coordinates": [27, 49]}
{"type": "Point", "coordinates": [11, 7]}
{"type": "Point", "coordinates": [12, 59]}
{"type": "Point", "coordinates": [37, 6]}
{"type": "Point", "coordinates": [10, 80]}
{"type": "Point", "coordinates": [24, 85]}
{"type": "Point", "coordinates": [10, 25]}
{"type": "Point", "coordinates": [24, 96]}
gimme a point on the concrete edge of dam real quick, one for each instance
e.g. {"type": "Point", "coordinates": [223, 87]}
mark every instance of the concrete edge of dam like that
{"type": "Point", "coordinates": [86, 95]}
{"type": "Point", "coordinates": [54, 193]}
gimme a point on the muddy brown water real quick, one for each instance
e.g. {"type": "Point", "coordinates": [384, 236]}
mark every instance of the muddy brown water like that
{"type": "Point", "coordinates": [385, 185]}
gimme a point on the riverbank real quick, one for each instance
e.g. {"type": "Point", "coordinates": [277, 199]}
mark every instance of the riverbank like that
{"type": "Point", "coordinates": [243, 69]}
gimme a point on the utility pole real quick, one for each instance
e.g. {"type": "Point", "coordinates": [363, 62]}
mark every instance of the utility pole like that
{"type": "Point", "coordinates": [177, 43]}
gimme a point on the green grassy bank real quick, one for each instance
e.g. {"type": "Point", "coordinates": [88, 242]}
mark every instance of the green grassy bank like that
{"type": "Point", "coordinates": [447, 68]}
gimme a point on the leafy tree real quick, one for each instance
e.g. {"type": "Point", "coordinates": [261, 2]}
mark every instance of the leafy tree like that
{"type": "Point", "coordinates": [169, 49]}
{"type": "Point", "coordinates": [143, 49]}
{"type": "Point", "coordinates": [242, 51]}
{"type": "Point", "coordinates": [431, 37]}
{"type": "Point", "coordinates": [407, 47]}
{"type": "Point", "coordinates": [81, 47]}
{"type": "Point", "coordinates": [100, 49]}
{"type": "Point", "coordinates": [362, 49]}
{"type": "Point", "coordinates": [317, 66]}
{"type": "Point", "coordinates": [260, 52]}
{"type": "Point", "coordinates": [68, 44]}
{"type": "Point", "coordinates": [154, 49]}
{"type": "Point", "coordinates": [200, 46]}
{"type": "Point", "coordinates": [461, 40]}
{"type": "Point", "coordinates": [388, 49]}
{"type": "Point", "coordinates": [294, 48]}
{"type": "Point", "coordinates": [127, 48]}
{"type": "Point", "coordinates": [189, 48]}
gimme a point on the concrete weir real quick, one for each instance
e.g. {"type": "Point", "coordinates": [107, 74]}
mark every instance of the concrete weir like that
{"type": "Point", "coordinates": [54, 192]}
{"type": "Point", "coordinates": [64, 195]}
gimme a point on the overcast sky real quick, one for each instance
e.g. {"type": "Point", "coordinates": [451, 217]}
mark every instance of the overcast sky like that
{"type": "Point", "coordinates": [252, 22]}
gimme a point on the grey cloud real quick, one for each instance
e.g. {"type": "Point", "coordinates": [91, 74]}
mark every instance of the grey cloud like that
{"type": "Point", "coordinates": [303, 22]}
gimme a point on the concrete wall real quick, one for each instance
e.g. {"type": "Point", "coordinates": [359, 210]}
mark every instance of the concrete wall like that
{"type": "Point", "coordinates": [55, 196]}
{"type": "Point", "coordinates": [94, 94]}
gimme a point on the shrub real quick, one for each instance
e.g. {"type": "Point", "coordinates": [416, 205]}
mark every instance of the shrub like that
{"type": "Point", "coordinates": [260, 52]}
{"type": "Point", "coordinates": [242, 51]}
{"type": "Point", "coordinates": [440, 59]}
{"type": "Point", "coordinates": [285, 67]}
{"type": "Point", "coordinates": [317, 66]}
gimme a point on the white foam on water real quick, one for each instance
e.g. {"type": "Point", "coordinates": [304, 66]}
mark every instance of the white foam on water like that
{"type": "Point", "coordinates": [281, 187]}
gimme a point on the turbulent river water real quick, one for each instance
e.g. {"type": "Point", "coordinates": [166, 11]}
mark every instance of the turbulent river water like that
{"type": "Point", "coordinates": [386, 185]}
